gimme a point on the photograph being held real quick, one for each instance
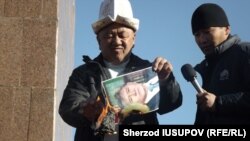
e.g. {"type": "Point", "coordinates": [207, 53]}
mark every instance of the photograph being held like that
{"type": "Point", "coordinates": [133, 92]}
{"type": "Point", "coordinates": [132, 98]}
{"type": "Point", "coordinates": [138, 98]}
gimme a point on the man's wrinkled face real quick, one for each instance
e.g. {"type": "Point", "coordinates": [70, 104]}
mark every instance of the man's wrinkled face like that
{"type": "Point", "coordinates": [133, 92]}
{"type": "Point", "coordinates": [116, 42]}
{"type": "Point", "coordinates": [208, 39]}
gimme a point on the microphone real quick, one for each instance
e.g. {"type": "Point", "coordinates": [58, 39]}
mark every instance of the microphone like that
{"type": "Point", "coordinates": [189, 74]}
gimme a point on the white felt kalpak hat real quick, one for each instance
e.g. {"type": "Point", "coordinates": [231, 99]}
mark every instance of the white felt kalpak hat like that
{"type": "Point", "coordinates": [119, 11]}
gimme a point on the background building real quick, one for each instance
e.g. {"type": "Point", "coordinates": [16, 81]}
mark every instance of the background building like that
{"type": "Point", "coordinates": [36, 58]}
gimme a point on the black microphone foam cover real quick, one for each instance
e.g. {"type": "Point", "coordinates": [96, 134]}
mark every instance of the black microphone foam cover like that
{"type": "Point", "coordinates": [188, 72]}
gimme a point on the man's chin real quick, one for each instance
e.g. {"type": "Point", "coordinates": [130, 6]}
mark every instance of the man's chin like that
{"type": "Point", "coordinates": [207, 52]}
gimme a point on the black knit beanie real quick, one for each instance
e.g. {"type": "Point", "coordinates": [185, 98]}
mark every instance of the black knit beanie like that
{"type": "Point", "coordinates": [208, 15]}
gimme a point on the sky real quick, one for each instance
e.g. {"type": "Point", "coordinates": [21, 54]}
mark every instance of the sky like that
{"type": "Point", "coordinates": [164, 30]}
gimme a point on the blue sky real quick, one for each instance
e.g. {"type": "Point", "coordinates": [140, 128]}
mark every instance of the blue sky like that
{"type": "Point", "coordinates": [164, 30]}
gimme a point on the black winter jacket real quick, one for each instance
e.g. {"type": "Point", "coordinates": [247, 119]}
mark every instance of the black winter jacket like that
{"type": "Point", "coordinates": [227, 75]}
{"type": "Point", "coordinates": [78, 91]}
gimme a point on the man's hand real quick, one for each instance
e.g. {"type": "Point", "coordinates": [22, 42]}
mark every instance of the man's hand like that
{"type": "Point", "coordinates": [92, 110]}
{"type": "Point", "coordinates": [206, 101]}
{"type": "Point", "coordinates": [162, 67]}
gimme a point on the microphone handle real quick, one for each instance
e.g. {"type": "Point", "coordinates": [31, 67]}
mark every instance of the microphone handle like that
{"type": "Point", "coordinates": [197, 86]}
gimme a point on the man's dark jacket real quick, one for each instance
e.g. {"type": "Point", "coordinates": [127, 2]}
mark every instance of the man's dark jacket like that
{"type": "Point", "coordinates": [79, 91]}
{"type": "Point", "coordinates": [226, 73]}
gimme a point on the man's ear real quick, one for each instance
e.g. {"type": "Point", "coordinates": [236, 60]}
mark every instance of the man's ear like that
{"type": "Point", "coordinates": [98, 41]}
{"type": "Point", "coordinates": [228, 30]}
{"type": "Point", "coordinates": [134, 40]}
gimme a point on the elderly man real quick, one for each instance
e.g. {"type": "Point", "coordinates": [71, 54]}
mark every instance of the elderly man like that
{"type": "Point", "coordinates": [84, 104]}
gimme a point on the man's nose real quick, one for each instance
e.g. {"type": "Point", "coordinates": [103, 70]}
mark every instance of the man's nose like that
{"type": "Point", "coordinates": [116, 40]}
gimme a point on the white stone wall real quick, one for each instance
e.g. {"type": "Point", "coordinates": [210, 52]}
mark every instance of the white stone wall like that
{"type": "Point", "coordinates": [64, 63]}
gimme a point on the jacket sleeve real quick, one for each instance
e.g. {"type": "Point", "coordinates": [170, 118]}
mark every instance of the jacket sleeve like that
{"type": "Point", "coordinates": [170, 95]}
{"type": "Point", "coordinates": [75, 94]}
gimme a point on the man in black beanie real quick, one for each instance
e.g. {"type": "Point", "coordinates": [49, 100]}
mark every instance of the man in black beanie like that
{"type": "Point", "coordinates": [225, 70]}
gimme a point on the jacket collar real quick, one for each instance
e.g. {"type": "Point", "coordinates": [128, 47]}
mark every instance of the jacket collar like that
{"type": "Point", "coordinates": [227, 44]}
{"type": "Point", "coordinates": [224, 46]}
